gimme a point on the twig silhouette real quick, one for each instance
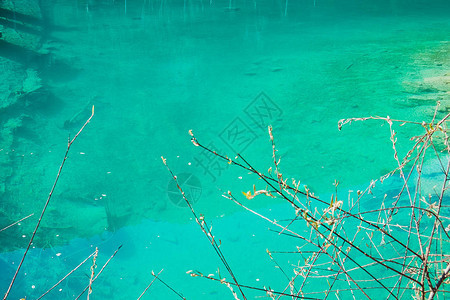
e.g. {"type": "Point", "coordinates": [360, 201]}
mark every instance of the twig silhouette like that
{"type": "Point", "coordinates": [150, 284]}
{"type": "Point", "coordinates": [207, 230]}
{"type": "Point", "coordinates": [16, 222]}
{"type": "Point", "coordinates": [69, 144]}
{"type": "Point", "coordinates": [91, 280]}
{"type": "Point", "coordinates": [68, 274]}
{"type": "Point", "coordinates": [347, 244]}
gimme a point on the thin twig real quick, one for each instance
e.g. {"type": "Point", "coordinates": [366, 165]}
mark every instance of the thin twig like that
{"type": "Point", "coordinates": [11, 225]}
{"type": "Point", "coordinates": [205, 229]}
{"type": "Point", "coordinates": [150, 284]}
{"type": "Point", "coordinates": [100, 272]}
{"type": "Point", "coordinates": [69, 144]}
{"type": "Point", "coordinates": [91, 279]}
{"type": "Point", "coordinates": [170, 288]}
{"type": "Point", "coordinates": [68, 274]}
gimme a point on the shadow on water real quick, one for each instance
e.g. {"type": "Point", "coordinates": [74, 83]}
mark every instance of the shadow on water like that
{"type": "Point", "coordinates": [20, 17]}
{"type": "Point", "coordinates": [17, 53]}
{"type": "Point", "coordinates": [19, 26]}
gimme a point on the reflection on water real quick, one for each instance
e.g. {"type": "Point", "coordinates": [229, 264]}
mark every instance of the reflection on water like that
{"type": "Point", "coordinates": [226, 70]}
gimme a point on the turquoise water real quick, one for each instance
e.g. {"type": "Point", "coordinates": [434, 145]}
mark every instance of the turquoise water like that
{"type": "Point", "coordinates": [225, 69]}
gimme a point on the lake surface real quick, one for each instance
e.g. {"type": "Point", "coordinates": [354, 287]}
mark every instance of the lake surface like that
{"type": "Point", "coordinates": [225, 70]}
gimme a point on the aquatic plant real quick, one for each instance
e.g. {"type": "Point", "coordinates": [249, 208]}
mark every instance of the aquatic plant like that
{"type": "Point", "coordinates": [398, 249]}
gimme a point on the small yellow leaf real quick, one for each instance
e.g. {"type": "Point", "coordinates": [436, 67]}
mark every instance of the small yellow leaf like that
{"type": "Point", "coordinates": [248, 195]}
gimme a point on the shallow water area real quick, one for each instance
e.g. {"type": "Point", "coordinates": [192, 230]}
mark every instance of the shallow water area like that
{"type": "Point", "coordinates": [226, 70]}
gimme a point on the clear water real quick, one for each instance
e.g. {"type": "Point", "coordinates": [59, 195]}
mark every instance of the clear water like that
{"type": "Point", "coordinates": [226, 70]}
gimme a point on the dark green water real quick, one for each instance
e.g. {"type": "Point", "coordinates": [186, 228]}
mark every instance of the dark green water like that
{"type": "Point", "coordinates": [226, 70]}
